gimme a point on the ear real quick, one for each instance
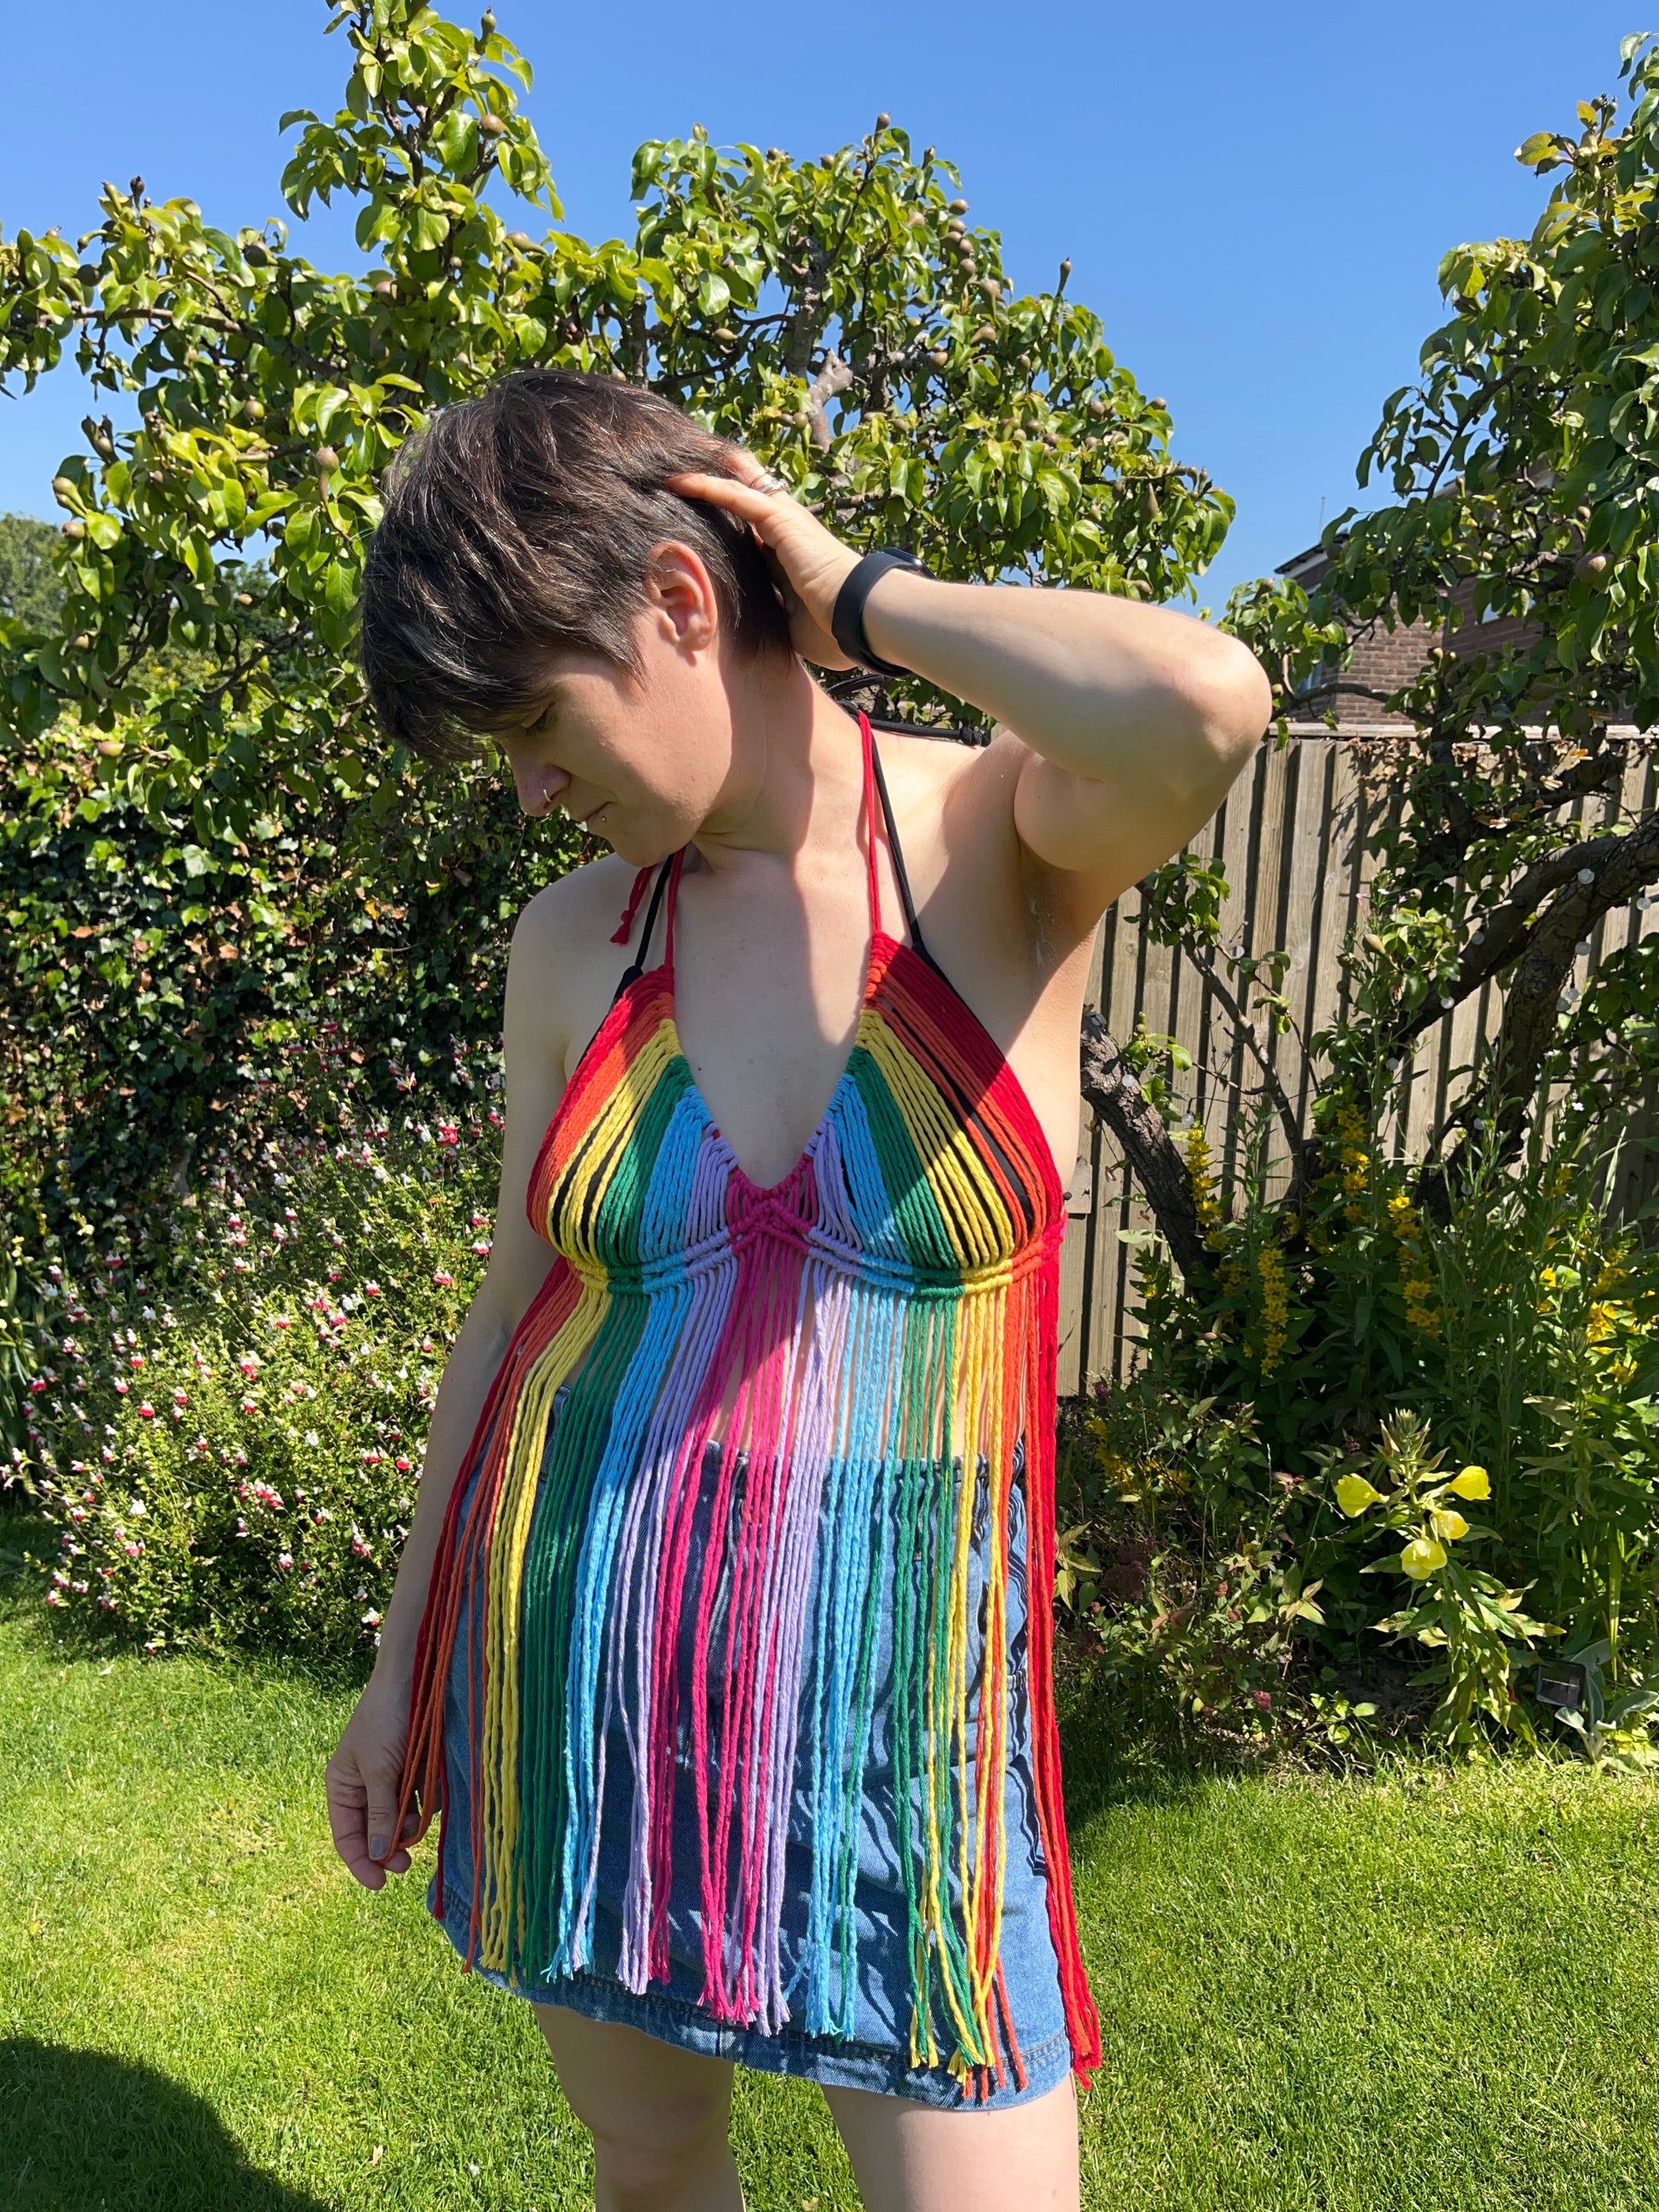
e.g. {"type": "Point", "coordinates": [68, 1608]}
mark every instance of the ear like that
{"type": "Point", "coordinates": [681, 599]}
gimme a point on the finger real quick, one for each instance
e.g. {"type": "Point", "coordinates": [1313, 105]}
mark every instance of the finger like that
{"type": "Point", "coordinates": [740, 499]}
{"type": "Point", "coordinates": [347, 1800]}
{"type": "Point", "coordinates": [384, 1830]}
{"type": "Point", "coordinates": [752, 470]}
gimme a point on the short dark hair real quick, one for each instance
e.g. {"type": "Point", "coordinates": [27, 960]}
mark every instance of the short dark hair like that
{"type": "Point", "coordinates": [520, 523]}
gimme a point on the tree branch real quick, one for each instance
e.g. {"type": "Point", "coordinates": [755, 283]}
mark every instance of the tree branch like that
{"type": "Point", "coordinates": [832, 379]}
{"type": "Point", "coordinates": [1109, 1086]}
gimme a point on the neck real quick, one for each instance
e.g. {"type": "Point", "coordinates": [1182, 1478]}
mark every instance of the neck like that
{"type": "Point", "coordinates": [796, 779]}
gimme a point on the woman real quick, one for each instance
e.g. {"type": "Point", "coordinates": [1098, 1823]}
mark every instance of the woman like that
{"type": "Point", "coordinates": [721, 1635]}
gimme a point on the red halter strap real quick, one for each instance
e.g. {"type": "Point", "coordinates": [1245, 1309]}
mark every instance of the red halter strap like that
{"type": "Point", "coordinates": [675, 866]}
{"type": "Point", "coordinates": [624, 928]}
{"type": "Point", "coordinates": [868, 743]}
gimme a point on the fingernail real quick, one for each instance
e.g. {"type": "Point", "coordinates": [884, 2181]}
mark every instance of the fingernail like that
{"type": "Point", "coordinates": [377, 1847]}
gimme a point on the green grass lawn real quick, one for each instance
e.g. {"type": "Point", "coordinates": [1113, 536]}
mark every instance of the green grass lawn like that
{"type": "Point", "coordinates": [1436, 1990]}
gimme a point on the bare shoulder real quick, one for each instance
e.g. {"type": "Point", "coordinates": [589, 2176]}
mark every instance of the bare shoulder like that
{"type": "Point", "coordinates": [956, 805]}
{"type": "Point", "coordinates": [563, 964]}
{"type": "Point", "coordinates": [575, 901]}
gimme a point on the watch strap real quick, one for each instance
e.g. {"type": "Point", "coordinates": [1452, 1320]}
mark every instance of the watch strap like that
{"type": "Point", "coordinates": [847, 622]}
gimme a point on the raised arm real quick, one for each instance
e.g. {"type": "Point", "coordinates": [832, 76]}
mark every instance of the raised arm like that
{"type": "Point", "coordinates": [1138, 718]}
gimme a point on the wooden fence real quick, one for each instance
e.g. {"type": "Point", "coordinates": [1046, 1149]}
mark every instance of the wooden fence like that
{"type": "Point", "coordinates": [1298, 851]}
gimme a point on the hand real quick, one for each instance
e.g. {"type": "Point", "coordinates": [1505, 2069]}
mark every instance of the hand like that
{"type": "Point", "coordinates": [809, 563]}
{"type": "Point", "coordinates": [361, 1782]}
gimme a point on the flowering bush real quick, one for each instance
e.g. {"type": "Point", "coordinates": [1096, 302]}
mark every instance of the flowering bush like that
{"type": "Point", "coordinates": [1221, 1505]}
{"type": "Point", "coordinates": [229, 1443]}
{"type": "Point", "coordinates": [1457, 1610]}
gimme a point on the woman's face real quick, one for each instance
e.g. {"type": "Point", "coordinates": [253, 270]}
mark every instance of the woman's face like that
{"type": "Point", "coordinates": [641, 761]}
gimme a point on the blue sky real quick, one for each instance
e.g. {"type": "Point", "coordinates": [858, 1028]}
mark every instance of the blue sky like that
{"type": "Point", "coordinates": [1255, 199]}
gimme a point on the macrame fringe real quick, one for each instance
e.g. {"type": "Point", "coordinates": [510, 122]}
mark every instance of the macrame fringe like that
{"type": "Point", "coordinates": [865, 1333]}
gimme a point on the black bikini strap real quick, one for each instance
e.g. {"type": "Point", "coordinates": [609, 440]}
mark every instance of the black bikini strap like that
{"type": "Point", "coordinates": [905, 899]}
{"type": "Point", "coordinates": [636, 967]}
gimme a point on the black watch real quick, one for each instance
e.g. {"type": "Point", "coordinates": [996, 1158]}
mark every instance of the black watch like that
{"type": "Point", "coordinates": [846, 622]}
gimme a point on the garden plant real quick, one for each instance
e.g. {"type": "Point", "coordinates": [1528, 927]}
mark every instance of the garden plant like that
{"type": "Point", "coordinates": [251, 942]}
{"type": "Point", "coordinates": [1485, 1287]}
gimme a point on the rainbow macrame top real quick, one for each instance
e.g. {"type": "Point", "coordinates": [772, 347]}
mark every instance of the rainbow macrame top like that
{"type": "Point", "coordinates": [871, 1326]}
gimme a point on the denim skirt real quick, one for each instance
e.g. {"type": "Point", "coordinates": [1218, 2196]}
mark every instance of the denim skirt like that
{"type": "Point", "coordinates": [876, 2056]}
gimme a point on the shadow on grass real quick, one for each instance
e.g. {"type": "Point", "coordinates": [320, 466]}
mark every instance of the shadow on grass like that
{"type": "Point", "coordinates": [1111, 1756]}
{"type": "Point", "coordinates": [85, 2132]}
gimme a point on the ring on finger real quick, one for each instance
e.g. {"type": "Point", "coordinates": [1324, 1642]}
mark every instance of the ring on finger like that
{"type": "Point", "coordinates": [767, 482]}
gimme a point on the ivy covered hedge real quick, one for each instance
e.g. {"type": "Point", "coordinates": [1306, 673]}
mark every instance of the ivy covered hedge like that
{"type": "Point", "coordinates": [173, 987]}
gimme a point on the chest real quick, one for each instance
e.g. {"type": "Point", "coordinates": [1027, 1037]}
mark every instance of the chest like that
{"type": "Point", "coordinates": [768, 991]}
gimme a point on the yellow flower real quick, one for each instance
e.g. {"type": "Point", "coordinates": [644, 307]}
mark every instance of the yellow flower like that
{"type": "Point", "coordinates": [1422, 1558]}
{"type": "Point", "coordinates": [1354, 1494]}
{"type": "Point", "coordinates": [1275, 1305]}
{"type": "Point", "coordinates": [1470, 1482]}
{"type": "Point", "coordinates": [1547, 1277]}
{"type": "Point", "coordinates": [1448, 1525]}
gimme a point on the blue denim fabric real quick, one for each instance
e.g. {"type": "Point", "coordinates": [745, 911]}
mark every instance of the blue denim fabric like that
{"type": "Point", "coordinates": [875, 2056]}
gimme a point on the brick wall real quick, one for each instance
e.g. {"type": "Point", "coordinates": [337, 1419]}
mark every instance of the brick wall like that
{"type": "Point", "coordinates": [1383, 660]}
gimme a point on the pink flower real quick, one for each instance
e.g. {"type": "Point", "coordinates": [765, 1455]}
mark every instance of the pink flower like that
{"type": "Point", "coordinates": [404, 1466]}
{"type": "Point", "coordinates": [122, 1386]}
{"type": "Point", "coordinates": [1263, 1700]}
{"type": "Point", "coordinates": [285, 1560]}
{"type": "Point", "coordinates": [282, 1321]}
{"type": "Point", "coordinates": [147, 1412]}
{"type": "Point", "coordinates": [371, 1289]}
{"type": "Point", "coordinates": [444, 1282]}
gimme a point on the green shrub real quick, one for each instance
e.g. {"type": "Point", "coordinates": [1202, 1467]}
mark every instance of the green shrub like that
{"type": "Point", "coordinates": [229, 1445]}
{"type": "Point", "coordinates": [176, 983]}
{"type": "Point", "coordinates": [1365, 1349]}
